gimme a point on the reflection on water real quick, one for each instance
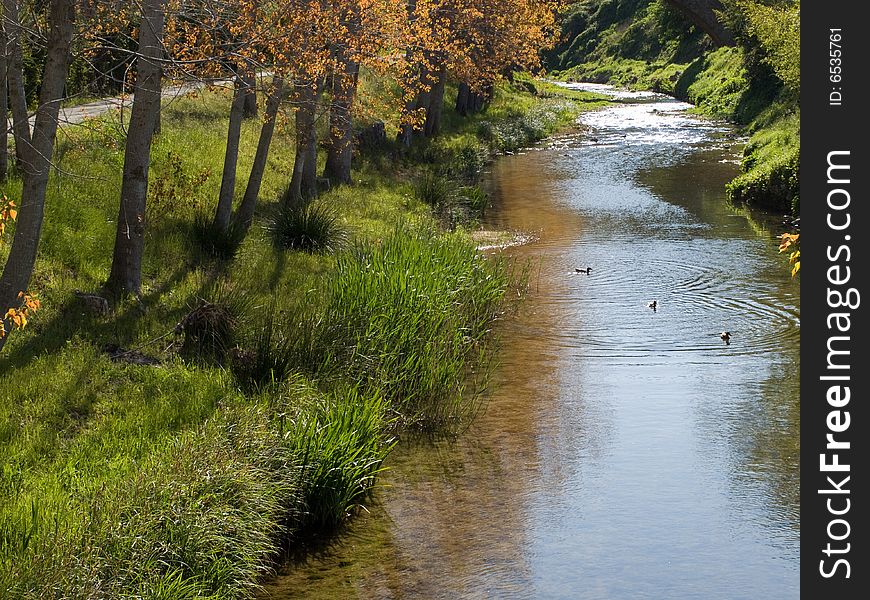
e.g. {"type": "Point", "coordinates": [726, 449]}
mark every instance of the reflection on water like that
{"type": "Point", "coordinates": [625, 452]}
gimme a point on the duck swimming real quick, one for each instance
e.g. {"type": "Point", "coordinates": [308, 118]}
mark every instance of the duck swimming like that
{"type": "Point", "coordinates": [725, 336]}
{"type": "Point", "coordinates": [653, 305]}
{"type": "Point", "coordinates": [587, 270]}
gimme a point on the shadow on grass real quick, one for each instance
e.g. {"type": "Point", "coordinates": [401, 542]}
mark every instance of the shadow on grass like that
{"type": "Point", "coordinates": [121, 327]}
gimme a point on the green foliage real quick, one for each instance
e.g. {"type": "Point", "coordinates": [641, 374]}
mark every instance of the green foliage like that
{"type": "Point", "coordinates": [779, 30]}
{"type": "Point", "coordinates": [644, 44]}
{"type": "Point", "coordinates": [776, 29]}
{"type": "Point", "coordinates": [339, 443]}
{"type": "Point", "coordinates": [411, 313]}
{"type": "Point", "coordinates": [167, 481]}
{"type": "Point", "coordinates": [433, 189]}
{"type": "Point", "coordinates": [215, 241]}
{"type": "Point", "coordinates": [311, 227]}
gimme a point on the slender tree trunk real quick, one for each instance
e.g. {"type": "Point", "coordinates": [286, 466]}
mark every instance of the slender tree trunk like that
{"type": "Point", "coordinates": [406, 128]}
{"type": "Point", "coordinates": [4, 103]}
{"type": "Point", "coordinates": [15, 81]}
{"type": "Point", "coordinates": [309, 169]}
{"type": "Point", "coordinates": [436, 105]}
{"type": "Point", "coordinates": [245, 213]}
{"type": "Point", "coordinates": [463, 98]}
{"type": "Point", "coordinates": [231, 157]}
{"type": "Point", "coordinates": [249, 78]}
{"type": "Point", "coordinates": [340, 153]}
{"type": "Point", "coordinates": [303, 185]}
{"type": "Point", "coordinates": [302, 94]}
{"type": "Point", "coordinates": [36, 150]}
{"type": "Point", "coordinates": [125, 276]}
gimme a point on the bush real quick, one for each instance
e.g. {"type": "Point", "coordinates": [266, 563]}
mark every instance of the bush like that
{"type": "Point", "coordinates": [339, 443]}
{"type": "Point", "coordinates": [209, 330]}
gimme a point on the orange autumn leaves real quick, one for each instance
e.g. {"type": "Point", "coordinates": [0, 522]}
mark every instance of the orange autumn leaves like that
{"type": "Point", "coordinates": [792, 241]}
{"type": "Point", "coordinates": [17, 316]}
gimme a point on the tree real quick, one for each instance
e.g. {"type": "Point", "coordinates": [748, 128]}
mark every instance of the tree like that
{"type": "Point", "coordinates": [245, 213]}
{"type": "Point", "coordinates": [125, 276]}
{"type": "Point", "coordinates": [35, 148]}
{"type": "Point", "coordinates": [4, 103]}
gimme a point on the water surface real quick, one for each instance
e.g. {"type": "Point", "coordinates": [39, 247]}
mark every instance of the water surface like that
{"type": "Point", "coordinates": [624, 452]}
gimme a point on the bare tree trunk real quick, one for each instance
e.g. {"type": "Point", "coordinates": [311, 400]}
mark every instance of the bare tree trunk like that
{"type": "Point", "coordinates": [303, 184]}
{"type": "Point", "coordinates": [340, 153]}
{"type": "Point", "coordinates": [463, 98]}
{"type": "Point", "coordinates": [36, 150]}
{"type": "Point", "coordinates": [15, 81]}
{"type": "Point", "coordinates": [231, 157]}
{"type": "Point", "coordinates": [304, 124]}
{"type": "Point", "coordinates": [406, 128]}
{"type": "Point", "coordinates": [309, 168]}
{"type": "Point", "coordinates": [245, 213]}
{"type": "Point", "coordinates": [436, 105]}
{"type": "Point", "coordinates": [125, 276]}
{"type": "Point", "coordinates": [249, 78]}
{"type": "Point", "coordinates": [4, 103]}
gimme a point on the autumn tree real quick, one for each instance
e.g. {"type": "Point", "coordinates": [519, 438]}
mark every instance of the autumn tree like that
{"type": "Point", "coordinates": [362, 33]}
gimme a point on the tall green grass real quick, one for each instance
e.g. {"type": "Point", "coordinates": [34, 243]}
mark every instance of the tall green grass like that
{"type": "Point", "coordinates": [202, 514]}
{"type": "Point", "coordinates": [409, 316]}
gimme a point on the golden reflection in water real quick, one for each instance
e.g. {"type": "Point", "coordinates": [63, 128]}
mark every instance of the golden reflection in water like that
{"type": "Point", "coordinates": [623, 453]}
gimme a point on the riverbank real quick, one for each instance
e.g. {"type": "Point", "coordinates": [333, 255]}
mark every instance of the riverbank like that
{"type": "Point", "coordinates": [648, 45]}
{"type": "Point", "coordinates": [176, 447]}
{"type": "Point", "coordinates": [718, 85]}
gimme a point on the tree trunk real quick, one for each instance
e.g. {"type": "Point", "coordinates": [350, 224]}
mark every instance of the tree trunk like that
{"type": "Point", "coordinates": [231, 157]}
{"type": "Point", "coordinates": [436, 105]}
{"type": "Point", "coordinates": [36, 150]}
{"type": "Point", "coordinates": [4, 104]}
{"type": "Point", "coordinates": [245, 213]}
{"type": "Point", "coordinates": [303, 184]}
{"type": "Point", "coordinates": [406, 128]}
{"type": "Point", "coordinates": [340, 153]}
{"type": "Point", "coordinates": [249, 79]}
{"type": "Point", "coordinates": [125, 276]}
{"type": "Point", "coordinates": [15, 81]}
{"type": "Point", "coordinates": [463, 99]}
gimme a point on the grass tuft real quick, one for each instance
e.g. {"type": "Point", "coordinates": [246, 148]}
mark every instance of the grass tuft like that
{"type": "Point", "coordinates": [311, 228]}
{"type": "Point", "coordinates": [222, 244]}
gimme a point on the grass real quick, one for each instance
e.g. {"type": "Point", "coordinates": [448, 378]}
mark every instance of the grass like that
{"type": "Point", "coordinates": [311, 227]}
{"type": "Point", "coordinates": [187, 479]}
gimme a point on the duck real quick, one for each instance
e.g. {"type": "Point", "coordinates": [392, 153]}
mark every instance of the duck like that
{"type": "Point", "coordinates": [725, 336]}
{"type": "Point", "coordinates": [653, 305]}
{"type": "Point", "coordinates": [587, 270]}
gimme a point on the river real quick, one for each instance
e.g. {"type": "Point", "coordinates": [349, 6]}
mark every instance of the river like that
{"type": "Point", "coordinates": [624, 452]}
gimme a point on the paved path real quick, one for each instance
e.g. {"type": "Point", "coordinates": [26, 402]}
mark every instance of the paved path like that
{"type": "Point", "coordinates": [74, 115]}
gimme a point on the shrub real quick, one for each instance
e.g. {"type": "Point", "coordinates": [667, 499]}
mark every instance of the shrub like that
{"type": "Point", "coordinates": [338, 440]}
{"type": "Point", "coordinates": [410, 316]}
